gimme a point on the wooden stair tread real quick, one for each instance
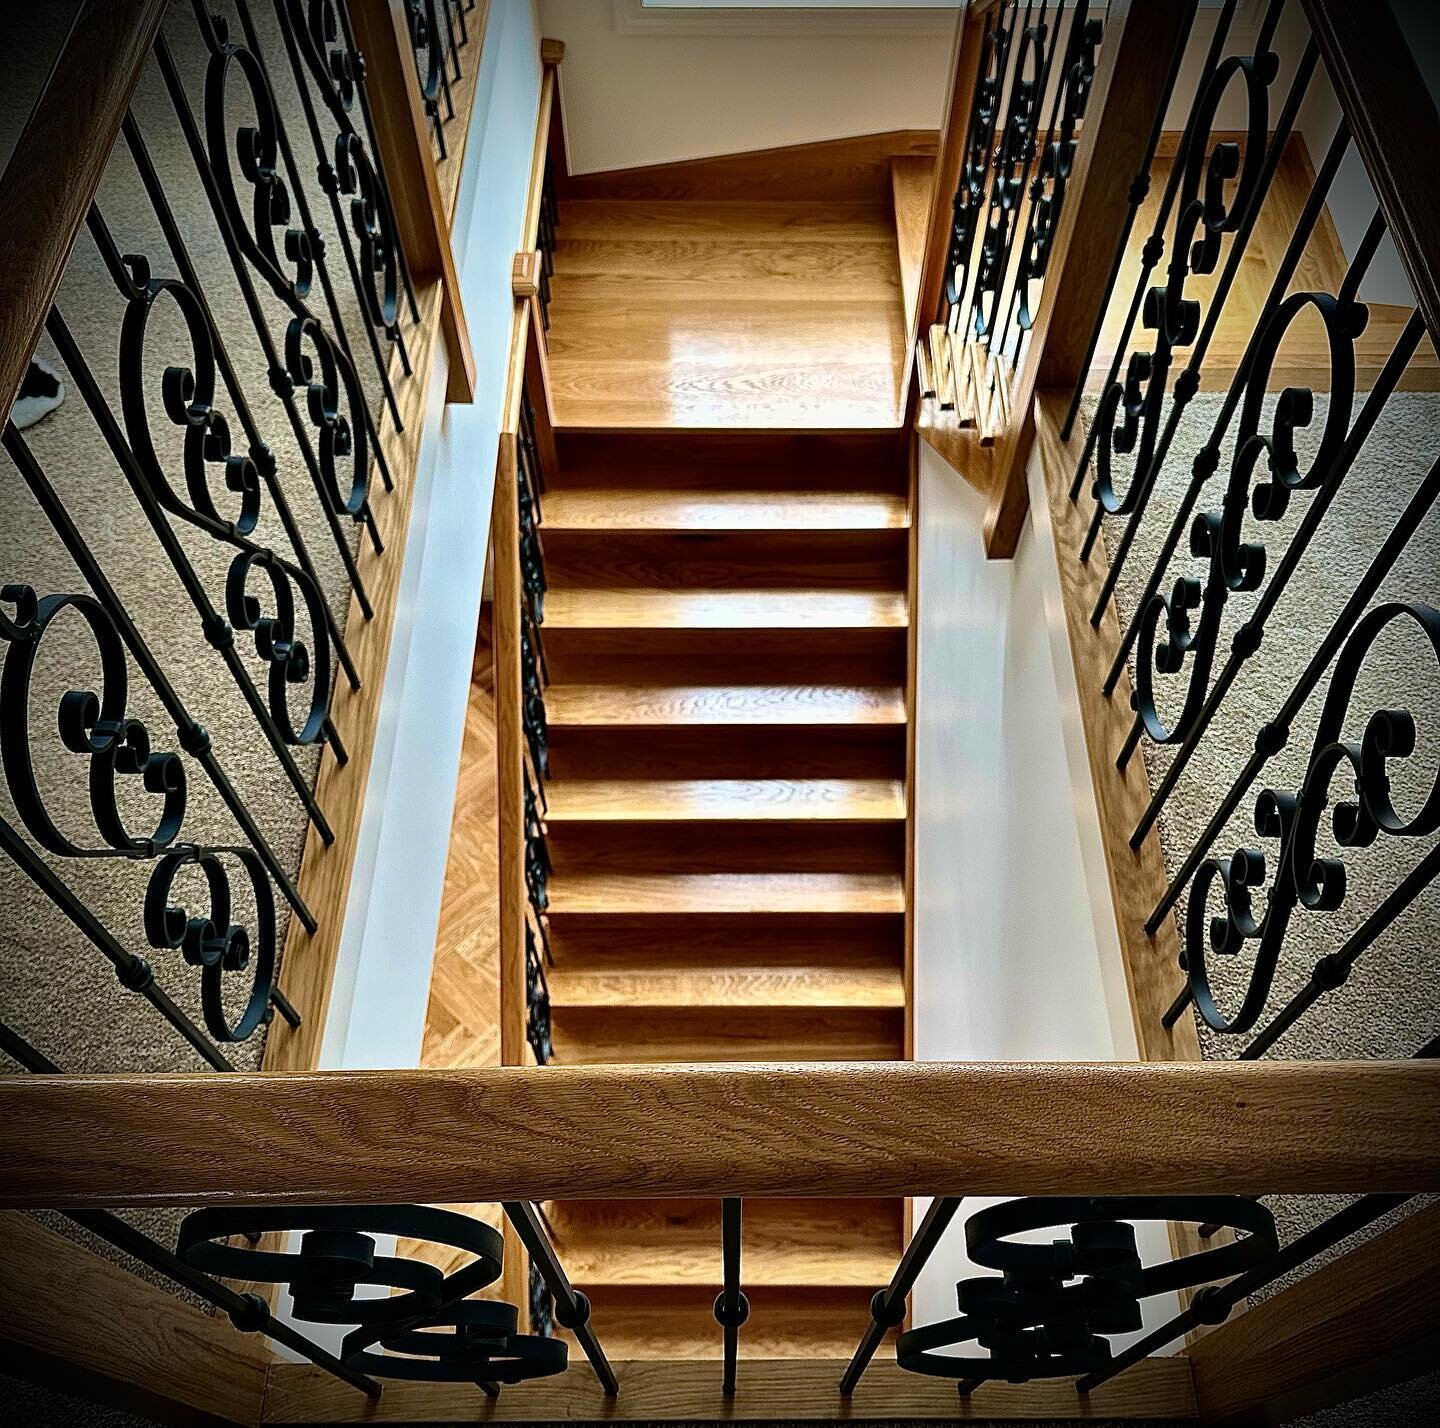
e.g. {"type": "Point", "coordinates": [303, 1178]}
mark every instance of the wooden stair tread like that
{"type": "Point", "coordinates": [660, 509]}
{"type": "Point", "coordinates": [726, 985]}
{"type": "Point", "coordinates": [631, 705]}
{"type": "Point", "coordinates": [678, 1322]}
{"type": "Point", "coordinates": [598, 1036]}
{"type": "Point", "coordinates": [724, 800]}
{"type": "Point", "coordinates": [844, 1243]}
{"type": "Point", "coordinates": [627, 607]}
{"type": "Point", "coordinates": [661, 893]}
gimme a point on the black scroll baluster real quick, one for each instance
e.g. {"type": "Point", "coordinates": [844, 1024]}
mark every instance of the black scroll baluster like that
{"type": "Point", "coordinates": [317, 45]}
{"type": "Point", "coordinates": [282, 381]}
{"type": "Point", "coordinates": [1304, 879]}
{"type": "Point", "coordinates": [191, 736]}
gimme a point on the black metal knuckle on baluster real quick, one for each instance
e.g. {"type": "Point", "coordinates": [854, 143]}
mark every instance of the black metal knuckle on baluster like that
{"type": "Point", "coordinates": [1303, 879]}
{"type": "Point", "coordinates": [214, 943]}
{"type": "Point", "coordinates": [1054, 1306]}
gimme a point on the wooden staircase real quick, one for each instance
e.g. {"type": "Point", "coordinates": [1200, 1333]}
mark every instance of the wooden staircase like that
{"type": "Point", "coordinates": [726, 632]}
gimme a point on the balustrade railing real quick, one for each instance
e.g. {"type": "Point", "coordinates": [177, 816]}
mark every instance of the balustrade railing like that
{"type": "Point", "coordinates": [1034, 71]}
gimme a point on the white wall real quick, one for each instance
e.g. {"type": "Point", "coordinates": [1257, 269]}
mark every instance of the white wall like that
{"type": "Point", "coordinates": [633, 99]}
{"type": "Point", "coordinates": [1016, 955]}
{"type": "Point", "coordinates": [382, 982]}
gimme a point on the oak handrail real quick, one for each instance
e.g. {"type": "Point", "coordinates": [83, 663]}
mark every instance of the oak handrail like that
{"type": "Point", "coordinates": [53, 174]}
{"type": "Point", "coordinates": [864, 1128]}
{"type": "Point", "coordinates": [1395, 122]}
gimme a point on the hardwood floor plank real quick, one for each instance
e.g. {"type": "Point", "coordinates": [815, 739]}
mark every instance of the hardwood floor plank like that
{"type": "Point", "coordinates": [652, 509]}
{"type": "Point", "coordinates": [591, 1036]}
{"type": "Point", "coordinates": [729, 892]}
{"type": "Point", "coordinates": [713, 800]}
{"type": "Point", "coordinates": [603, 1243]}
{"type": "Point", "coordinates": [728, 986]}
{"type": "Point", "coordinates": [629, 705]}
{"type": "Point", "coordinates": [627, 608]}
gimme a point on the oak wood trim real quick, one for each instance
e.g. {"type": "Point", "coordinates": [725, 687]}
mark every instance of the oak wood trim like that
{"type": "Point", "coordinates": [853, 168]}
{"type": "Point", "coordinates": [540, 155]}
{"type": "Point", "coordinates": [869, 1128]}
{"type": "Point", "coordinates": [1392, 113]}
{"type": "Point", "coordinates": [509, 744]}
{"type": "Point", "coordinates": [80, 1323]}
{"type": "Point", "coordinates": [1364, 1321]}
{"type": "Point", "coordinates": [401, 130]}
{"type": "Point", "coordinates": [308, 966]}
{"type": "Point", "coordinates": [766, 1391]}
{"type": "Point", "coordinates": [964, 61]}
{"type": "Point", "coordinates": [1111, 151]}
{"type": "Point", "coordinates": [55, 168]}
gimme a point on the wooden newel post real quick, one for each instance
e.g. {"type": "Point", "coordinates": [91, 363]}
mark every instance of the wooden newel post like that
{"type": "Point", "coordinates": [1141, 36]}
{"type": "Point", "coordinates": [393, 86]}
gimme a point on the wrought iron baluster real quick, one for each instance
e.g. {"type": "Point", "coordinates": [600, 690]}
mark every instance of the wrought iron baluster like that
{"type": "Point", "coordinates": [1208, 460]}
{"type": "Point", "coordinates": [572, 1308]}
{"type": "Point", "coordinates": [337, 436]}
{"type": "Point", "coordinates": [192, 736]}
{"type": "Point", "coordinates": [887, 1308]}
{"type": "Point", "coordinates": [732, 1308]}
{"type": "Point", "coordinates": [260, 452]}
{"type": "Point", "coordinates": [1274, 735]}
{"type": "Point", "coordinates": [1153, 249]}
{"type": "Point", "coordinates": [1304, 880]}
{"type": "Point", "coordinates": [133, 973]}
{"type": "Point", "coordinates": [1187, 385]}
{"type": "Point", "coordinates": [352, 173]}
{"type": "Point", "coordinates": [1237, 565]}
{"type": "Point", "coordinates": [1067, 108]}
{"type": "Point", "coordinates": [1214, 1304]}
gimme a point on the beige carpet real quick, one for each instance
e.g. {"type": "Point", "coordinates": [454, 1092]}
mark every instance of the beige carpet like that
{"type": "Point", "coordinates": [1391, 1004]}
{"type": "Point", "coordinates": [55, 988]}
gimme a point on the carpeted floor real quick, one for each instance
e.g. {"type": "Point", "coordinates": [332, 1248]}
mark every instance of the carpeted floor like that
{"type": "Point", "coordinates": [1391, 1004]}
{"type": "Point", "coordinates": [55, 988]}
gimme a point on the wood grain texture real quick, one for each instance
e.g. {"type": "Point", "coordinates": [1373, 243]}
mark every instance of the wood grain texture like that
{"type": "Point", "coordinates": [888, 1128]}
{"type": "Point", "coordinates": [457, 126]}
{"type": "Point", "coordinates": [851, 893]}
{"type": "Point", "coordinates": [630, 608]}
{"type": "Point", "coordinates": [83, 1324]}
{"type": "Point", "coordinates": [403, 134]}
{"type": "Point", "coordinates": [308, 966]}
{"type": "Point", "coordinates": [716, 800]}
{"type": "Point", "coordinates": [657, 509]}
{"type": "Point", "coordinates": [650, 1035]}
{"type": "Point", "coordinates": [729, 986]}
{"type": "Point", "coordinates": [794, 1243]}
{"type": "Point", "coordinates": [723, 704]}
{"type": "Point", "coordinates": [55, 167]}
{"type": "Point", "coordinates": [766, 1391]}
{"type": "Point", "coordinates": [1129, 91]}
{"type": "Point", "coordinates": [911, 182]}
{"type": "Point", "coordinates": [716, 313]}
{"type": "Point", "coordinates": [1357, 1324]}
{"type": "Point", "coordinates": [826, 171]}
{"type": "Point", "coordinates": [509, 751]}
{"type": "Point", "coordinates": [1137, 878]}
